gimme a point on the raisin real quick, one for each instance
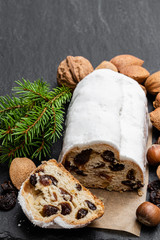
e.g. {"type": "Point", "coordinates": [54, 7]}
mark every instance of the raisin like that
{"type": "Point", "coordinates": [81, 213]}
{"type": "Point", "coordinates": [66, 208]}
{"type": "Point", "coordinates": [117, 167]}
{"type": "Point", "coordinates": [131, 174]}
{"type": "Point", "coordinates": [155, 197]}
{"type": "Point", "coordinates": [91, 205]}
{"type": "Point", "coordinates": [33, 180]}
{"type": "Point", "coordinates": [8, 187]}
{"type": "Point", "coordinates": [82, 157]}
{"type": "Point", "coordinates": [78, 186]}
{"type": "Point", "coordinates": [154, 186]}
{"type": "Point", "coordinates": [80, 172]}
{"type": "Point", "coordinates": [154, 189]}
{"type": "Point", "coordinates": [67, 165]}
{"type": "Point", "coordinates": [128, 183]}
{"type": "Point", "coordinates": [66, 195]}
{"type": "Point", "coordinates": [49, 210]}
{"type": "Point", "coordinates": [55, 196]}
{"type": "Point", "coordinates": [99, 165]}
{"type": "Point", "coordinates": [39, 170]}
{"type": "Point", "coordinates": [8, 200]}
{"type": "Point", "coordinates": [104, 175]}
{"type": "Point", "coordinates": [48, 180]}
{"type": "Point", "coordinates": [108, 156]}
{"type": "Point", "coordinates": [139, 184]}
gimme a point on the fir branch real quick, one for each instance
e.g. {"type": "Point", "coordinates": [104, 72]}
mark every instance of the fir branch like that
{"type": "Point", "coordinates": [36, 90]}
{"type": "Point", "coordinates": [31, 123]}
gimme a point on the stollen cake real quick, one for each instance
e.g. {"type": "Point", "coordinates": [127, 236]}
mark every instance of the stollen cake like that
{"type": "Point", "coordinates": [106, 132]}
{"type": "Point", "coordinates": [52, 198]}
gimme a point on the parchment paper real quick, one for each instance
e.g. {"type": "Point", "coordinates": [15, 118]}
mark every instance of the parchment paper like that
{"type": "Point", "coordinates": [120, 208]}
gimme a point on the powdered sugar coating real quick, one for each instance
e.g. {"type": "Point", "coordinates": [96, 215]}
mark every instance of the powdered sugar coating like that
{"type": "Point", "coordinates": [108, 107]}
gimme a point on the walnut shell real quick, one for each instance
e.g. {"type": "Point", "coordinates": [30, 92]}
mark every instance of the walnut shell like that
{"type": "Point", "coordinates": [72, 70]}
{"type": "Point", "coordinates": [155, 118]}
{"type": "Point", "coordinates": [152, 83]}
{"type": "Point", "coordinates": [156, 103]}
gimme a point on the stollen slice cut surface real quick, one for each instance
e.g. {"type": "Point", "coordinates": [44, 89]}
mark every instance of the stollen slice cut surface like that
{"type": "Point", "coordinates": [52, 198]}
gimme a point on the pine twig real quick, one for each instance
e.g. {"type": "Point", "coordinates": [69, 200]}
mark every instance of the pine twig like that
{"type": "Point", "coordinates": [31, 123]}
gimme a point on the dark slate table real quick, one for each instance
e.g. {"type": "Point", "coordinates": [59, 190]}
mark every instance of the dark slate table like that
{"type": "Point", "coordinates": [35, 36]}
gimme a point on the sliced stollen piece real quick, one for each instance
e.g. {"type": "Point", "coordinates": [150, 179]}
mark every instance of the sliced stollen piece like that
{"type": "Point", "coordinates": [52, 198]}
{"type": "Point", "coordinates": [106, 132]}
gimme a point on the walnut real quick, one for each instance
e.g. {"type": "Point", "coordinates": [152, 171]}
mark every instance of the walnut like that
{"type": "Point", "coordinates": [72, 70]}
{"type": "Point", "coordinates": [156, 103]}
{"type": "Point", "coordinates": [155, 118]}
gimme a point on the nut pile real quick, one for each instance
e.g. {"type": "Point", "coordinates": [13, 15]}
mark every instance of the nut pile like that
{"type": "Point", "coordinates": [73, 69]}
{"type": "Point", "coordinates": [147, 213]}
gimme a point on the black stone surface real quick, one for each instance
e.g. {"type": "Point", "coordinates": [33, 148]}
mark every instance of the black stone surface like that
{"type": "Point", "coordinates": [35, 36]}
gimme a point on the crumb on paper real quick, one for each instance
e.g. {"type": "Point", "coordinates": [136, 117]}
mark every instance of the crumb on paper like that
{"type": "Point", "coordinates": [140, 193]}
{"type": "Point", "coordinates": [101, 198]}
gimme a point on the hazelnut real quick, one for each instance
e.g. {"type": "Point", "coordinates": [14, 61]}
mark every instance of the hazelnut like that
{"type": "Point", "coordinates": [72, 70]}
{"type": "Point", "coordinates": [148, 214]}
{"type": "Point", "coordinates": [20, 169]}
{"type": "Point", "coordinates": [158, 172]}
{"type": "Point", "coordinates": [153, 155]}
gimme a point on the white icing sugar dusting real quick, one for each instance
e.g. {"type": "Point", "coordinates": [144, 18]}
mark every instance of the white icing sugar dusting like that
{"type": "Point", "coordinates": [108, 107]}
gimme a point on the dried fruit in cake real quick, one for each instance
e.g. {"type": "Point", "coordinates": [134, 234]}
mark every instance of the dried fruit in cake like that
{"type": "Point", "coordinates": [52, 198]}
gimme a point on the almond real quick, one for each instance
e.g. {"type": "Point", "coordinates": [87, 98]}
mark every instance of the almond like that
{"type": "Point", "coordinates": [108, 65]}
{"type": "Point", "coordinates": [138, 73]}
{"type": "Point", "coordinates": [144, 89]}
{"type": "Point", "coordinates": [152, 83]}
{"type": "Point", "coordinates": [124, 60]}
{"type": "Point", "coordinates": [155, 118]}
